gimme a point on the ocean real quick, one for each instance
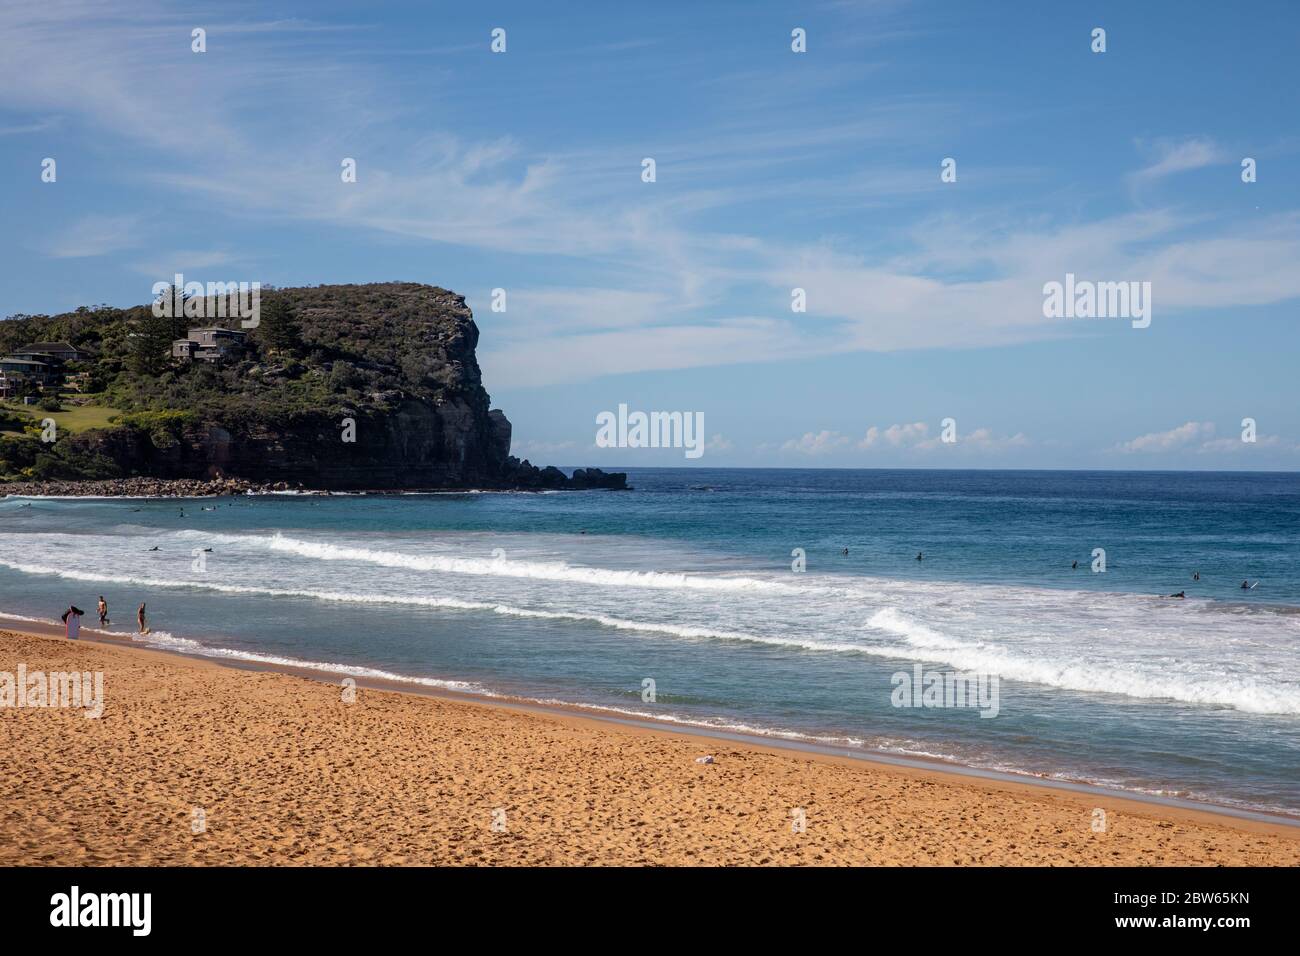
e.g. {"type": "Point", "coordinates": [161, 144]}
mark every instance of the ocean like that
{"type": "Point", "coordinates": [725, 599]}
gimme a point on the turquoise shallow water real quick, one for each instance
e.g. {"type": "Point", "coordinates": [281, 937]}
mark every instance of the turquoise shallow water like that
{"type": "Point", "coordinates": [690, 581]}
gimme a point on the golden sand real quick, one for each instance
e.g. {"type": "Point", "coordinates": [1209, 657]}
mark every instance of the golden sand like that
{"type": "Point", "coordinates": [280, 770]}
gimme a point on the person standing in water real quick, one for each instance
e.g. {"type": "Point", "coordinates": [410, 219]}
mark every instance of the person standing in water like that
{"type": "Point", "coordinates": [139, 616]}
{"type": "Point", "coordinates": [72, 618]}
{"type": "Point", "coordinates": [103, 611]}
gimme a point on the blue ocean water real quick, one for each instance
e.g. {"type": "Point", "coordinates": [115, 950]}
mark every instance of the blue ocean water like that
{"type": "Point", "coordinates": [731, 591]}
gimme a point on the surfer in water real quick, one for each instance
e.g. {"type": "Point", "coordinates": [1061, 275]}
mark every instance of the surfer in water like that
{"type": "Point", "coordinates": [1247, 586]}
{"type": "Point", "coordinates": [1196, 575]}
{"type": "Point", "coordinates": [1180, 594]}
{"type": "Point", "coordinates": [919, 555]}
{"type": "Point", "coordinates": [1075, 566]}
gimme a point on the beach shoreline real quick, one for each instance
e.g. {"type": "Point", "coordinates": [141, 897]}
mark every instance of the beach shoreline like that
{"type": "Point", "coordinates": [706, 734]}
{"type": "Point", "coordinates": [551, 758]}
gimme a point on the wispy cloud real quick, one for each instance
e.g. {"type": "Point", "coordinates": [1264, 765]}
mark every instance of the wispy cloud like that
{"type": "Point", "coordinates": [1171, 157]}
{"type": "Point", "coordinates": [95, 235]}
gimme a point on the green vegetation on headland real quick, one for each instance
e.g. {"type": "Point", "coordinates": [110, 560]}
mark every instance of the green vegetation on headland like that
{"type": "Point", "coordinates": [351, 386]}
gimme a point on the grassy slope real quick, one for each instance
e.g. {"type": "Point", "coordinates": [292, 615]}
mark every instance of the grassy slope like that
{"type": "Point", "coordinates": [74, 418]}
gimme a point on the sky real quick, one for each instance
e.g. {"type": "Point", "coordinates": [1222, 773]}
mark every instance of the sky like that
{"type": "Point", "coordinates": [774, 170]}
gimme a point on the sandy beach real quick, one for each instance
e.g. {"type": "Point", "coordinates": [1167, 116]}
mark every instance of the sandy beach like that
{"type": "Point", "coordinates": [273, 768]}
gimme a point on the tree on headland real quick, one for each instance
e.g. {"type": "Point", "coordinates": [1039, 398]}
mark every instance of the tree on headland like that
{"type": "Point", "coordinates": [153, 334]}
{"type": "Point", "coordinates": [278, 326]}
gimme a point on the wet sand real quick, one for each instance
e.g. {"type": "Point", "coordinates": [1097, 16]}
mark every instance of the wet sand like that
{"type": "Point", "coordinates": [276, 768]}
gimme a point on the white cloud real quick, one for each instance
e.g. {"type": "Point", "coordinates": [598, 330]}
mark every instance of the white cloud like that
{"type": "Point", "coordinates": [895, 436]}
{"type": "Point", "coordinates": [1184, 435]}
{"type": "Point", "coordinates": [817, 443]}
{"type": "Point", "coordinates": [909, 437]}
{"type": "Point", "coordinates": [1198, 437]}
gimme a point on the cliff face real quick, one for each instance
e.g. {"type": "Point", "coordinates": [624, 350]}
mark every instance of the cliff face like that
{"type": "Point", "coordinates": [383, 391]}
{"type": "Point", "coordinates": [416, 445]}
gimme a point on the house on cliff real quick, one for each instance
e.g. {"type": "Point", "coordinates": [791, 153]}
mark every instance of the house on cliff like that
{"type": "Point", "coordinates": [60, 351]}
{"type": "Point", "coordinates": [15, 370]}
{"type": "Point", "coordinates": [209, 345]}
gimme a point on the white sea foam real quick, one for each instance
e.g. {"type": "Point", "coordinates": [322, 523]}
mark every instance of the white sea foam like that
{"type": "Point", "coordinates": [503, 567]}
{"type": "Point", "coordinates": [434, 602]}
{"type": "Point", "coordinates": [1245, 694]}
{"type": "Point", "coordinates": [1132, 645]}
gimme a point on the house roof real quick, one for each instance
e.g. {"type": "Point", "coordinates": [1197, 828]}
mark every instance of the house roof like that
{"type": "Point", "coordinates": [14, 360]}
{"type": "Point", "coordinates": [50, 347]}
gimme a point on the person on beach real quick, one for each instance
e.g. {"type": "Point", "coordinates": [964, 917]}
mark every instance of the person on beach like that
{"type": "Point", "coordinates": [72, 618]}
{"type": "Point", "coordinates": [139, 616]}
{"type": "Point", "coordinates": [103, 612]}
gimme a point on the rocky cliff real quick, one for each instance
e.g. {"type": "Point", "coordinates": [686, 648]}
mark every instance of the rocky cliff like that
{"type": "Point", "coordinates": [381, 389]}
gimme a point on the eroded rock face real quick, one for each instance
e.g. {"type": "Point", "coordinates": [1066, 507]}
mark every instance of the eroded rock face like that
{"type": "Point", "coordinates": [417, 446]}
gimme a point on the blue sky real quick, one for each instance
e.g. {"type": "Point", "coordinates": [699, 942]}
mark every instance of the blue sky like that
{"type": "Point", "coordinates": [775, 170]}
